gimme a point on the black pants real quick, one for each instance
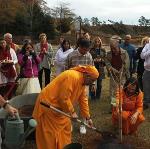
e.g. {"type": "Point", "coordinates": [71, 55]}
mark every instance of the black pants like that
{"type": "Point", "coordinates": [47, 76]}
{"type": "Point", "coordinates": [98, 90]}
{"type": "Point", "coordinates": [139, 76]}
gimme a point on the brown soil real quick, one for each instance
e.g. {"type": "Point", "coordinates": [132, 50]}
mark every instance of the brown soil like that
{"type": "Point", "coordinates": [102, 120]}
{"type": "Point", "coordinates": [26, 111]}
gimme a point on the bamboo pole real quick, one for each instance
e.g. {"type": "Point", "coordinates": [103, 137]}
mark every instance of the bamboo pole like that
{"type": "Point", "coordinates": [120, 108]}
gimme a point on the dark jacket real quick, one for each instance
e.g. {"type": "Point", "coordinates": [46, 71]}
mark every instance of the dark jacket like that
{"type": "Point", "coordinates": [99, 54]}
{"type": "Point", "coordinates": [140, 66]}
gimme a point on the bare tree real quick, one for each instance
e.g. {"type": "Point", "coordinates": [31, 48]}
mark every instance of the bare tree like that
{"type": "Point", "coordinates": [62, 11]}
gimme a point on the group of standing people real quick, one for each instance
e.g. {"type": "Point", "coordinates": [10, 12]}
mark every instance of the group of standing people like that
{"type": "Point", "coordinates": [76, 69]}
{"type": "Point", "coordinates": [26, 63]}
{"type": "Point", "coordinates": [82, 61]}
{"type": "Point", "coordinates": [34, 60]}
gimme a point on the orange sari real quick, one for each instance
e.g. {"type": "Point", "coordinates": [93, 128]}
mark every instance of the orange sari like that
{"type": "Point", "coordinates": [129, 106]}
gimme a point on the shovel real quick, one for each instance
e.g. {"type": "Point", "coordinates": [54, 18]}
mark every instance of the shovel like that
{"type": "Point", "coordinates": [104, 134]}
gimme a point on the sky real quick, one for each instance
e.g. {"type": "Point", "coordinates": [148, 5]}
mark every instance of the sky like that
{"type": "Point", "coordinates": [129, 11]}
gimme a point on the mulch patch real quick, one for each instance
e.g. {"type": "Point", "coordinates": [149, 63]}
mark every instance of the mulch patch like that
{"type": "Point", "coordinates": [94, 140]}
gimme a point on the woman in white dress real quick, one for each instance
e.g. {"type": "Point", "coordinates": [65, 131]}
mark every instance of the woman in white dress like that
{"type": "Point", "coordinates": [61, 56]}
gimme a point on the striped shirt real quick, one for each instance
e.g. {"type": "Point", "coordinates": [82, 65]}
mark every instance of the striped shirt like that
{"type": "Point", "coordinates": [75, 58]}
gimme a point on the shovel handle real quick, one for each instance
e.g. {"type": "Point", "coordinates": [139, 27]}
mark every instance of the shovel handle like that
{"type": "Point", "coordinates": [67, 115]}
{"type": "Point", "coordinates": [55, 109]}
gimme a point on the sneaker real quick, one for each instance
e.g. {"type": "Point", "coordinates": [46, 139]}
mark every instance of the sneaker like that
{"type": "Point", "coordinates": [82, 129]}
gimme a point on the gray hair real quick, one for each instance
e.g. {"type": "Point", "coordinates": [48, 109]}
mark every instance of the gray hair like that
{"type": "Point", "coordinates": [114, 40]}
{"type": "Point", "coordinates": [7, 35]}
{"type": "Point", "coordinates": [128, 36]}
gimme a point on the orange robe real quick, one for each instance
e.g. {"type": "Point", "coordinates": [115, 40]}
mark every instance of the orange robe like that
{"type": "Point", "coordinates": [129, 106]}
{"type": "Point", "coordinates": [54, 130]}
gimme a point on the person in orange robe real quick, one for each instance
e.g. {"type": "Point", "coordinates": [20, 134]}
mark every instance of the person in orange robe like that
{"type": "Point", "coordinates": [132, 107]}
{"type": "Point", "coordinates": [64, 92]}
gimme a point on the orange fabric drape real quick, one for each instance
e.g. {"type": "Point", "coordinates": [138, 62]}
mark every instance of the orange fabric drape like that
{"type": "Point", "coordinates": [89, 69]}
{"type": "Point", "coordinates": [54, 130]}
{"type": "Point", "coordinates": [129, 106]}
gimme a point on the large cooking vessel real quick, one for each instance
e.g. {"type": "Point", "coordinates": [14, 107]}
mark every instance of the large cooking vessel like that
{"type": "Point", "coordinates": [21, 126]}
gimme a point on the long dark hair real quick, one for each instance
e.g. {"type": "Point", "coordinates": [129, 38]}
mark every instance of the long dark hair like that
{"type": "Point", "coordinates": [62, 45]}
{"type": "Point", "coordinates": [132, 81]}
{"type": "Point", "coordinates": [23, 50]}
{"type": "Point", "coordinates": [7, 47]}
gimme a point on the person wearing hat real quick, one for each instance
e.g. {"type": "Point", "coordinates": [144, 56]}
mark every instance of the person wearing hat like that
{"type": "Point", "coordinates": [64, 92]}
{"type": "Point", "coordinates": [46, 54]}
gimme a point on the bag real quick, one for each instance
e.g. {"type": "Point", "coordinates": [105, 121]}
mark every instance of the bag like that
{"type": "Point", "coordinates": [8, 70]}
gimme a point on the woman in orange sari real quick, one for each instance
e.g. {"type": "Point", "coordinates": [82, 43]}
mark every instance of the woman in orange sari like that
{"type": "Point", "coordinates": [132, 107]}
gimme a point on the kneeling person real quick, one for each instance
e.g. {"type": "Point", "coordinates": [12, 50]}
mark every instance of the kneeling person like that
{"type": "Point", "coordinates": [132, 107]}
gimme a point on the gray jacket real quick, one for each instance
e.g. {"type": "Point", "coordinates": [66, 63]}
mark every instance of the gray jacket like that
{"type": "Point", "coordinates": [125, 61]}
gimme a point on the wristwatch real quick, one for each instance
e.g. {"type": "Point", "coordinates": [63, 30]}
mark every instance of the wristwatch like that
{"type": "Point", "coordinates": [5, 104]}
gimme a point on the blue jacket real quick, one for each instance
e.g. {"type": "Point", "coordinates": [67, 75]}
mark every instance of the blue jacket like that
{"type": "Point", "coordinates": [132, 55]}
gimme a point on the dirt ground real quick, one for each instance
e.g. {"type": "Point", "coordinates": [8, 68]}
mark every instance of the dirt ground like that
{"type": "Point", "coordinates": [102, 121]}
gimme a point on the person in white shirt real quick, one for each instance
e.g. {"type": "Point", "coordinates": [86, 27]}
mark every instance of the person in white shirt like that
{"type": "Point", "coordinates": [61, 56]}
{"type": "Point", "coordinates": [145, 54]}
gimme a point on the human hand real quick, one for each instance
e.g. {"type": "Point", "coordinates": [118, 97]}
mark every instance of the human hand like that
{"type": "Point", "coordinates": [44, 51]}
{"type": "Point", "coordinates": [115, 71]}
{"type": "Point", "coordinates": [95, 60]}
{"type": "Point", "coordinates": [90, 122]}
{"type": "Point", "coordinates": [134, 117]}
{"type": "Point", "coordinates": [11, 110]}
{"type": "Point", "coordinates": [52, 64]}
{"type": "Point", "coordinates": [74, 115]}
{"type": "Point", "coordinates": [27, 53]}
{"type": "Point", "coordinates": [99, 59]}
{"type": "Point", "coordinates": [93, 89]}
{"type": "Point", "coordinates": [25, 58]}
